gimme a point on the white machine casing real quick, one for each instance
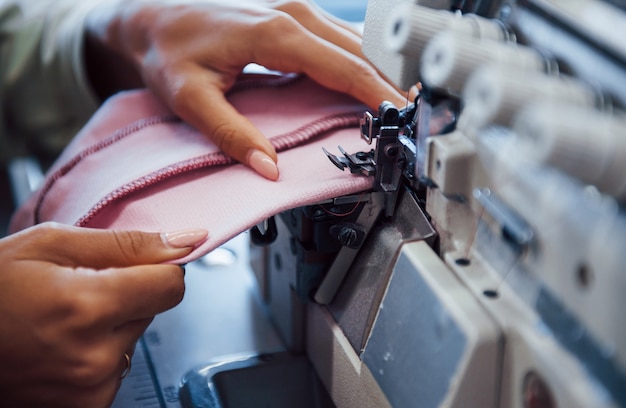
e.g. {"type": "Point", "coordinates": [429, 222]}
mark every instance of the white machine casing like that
{"type": "Point", "coordinates": [519, 302]}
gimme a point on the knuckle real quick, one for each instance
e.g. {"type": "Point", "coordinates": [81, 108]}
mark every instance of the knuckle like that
{"type": "Point", "coordinates": [278, 26]}
{"type": "Point", "coordinates": [68, 302]}
{"type": "Point", "coordinates": [181, 94]}
{"type": "Point", "coordinates": [361, 72]}
{"type": "Point", "coordinates": [95, 365]}
{"type": "Point", "coordinates": [48, 233]}
{"type": "Point", "coordinates": [278, 36]}
{"type": "Point", "coordinates": [130, 244]}
{"type": "Point", "coordinates": [180, 86]}
{"type": "Point", "coordinates": [296, 8]}
{"type": "Point", "coordinates": [224, 136]}
{"type": "Point", "coordinates": [85, 310]}
{"type": "Point", "coordinates": [84, 303]}
{"type": "Point", "coordinates": [50, 226]}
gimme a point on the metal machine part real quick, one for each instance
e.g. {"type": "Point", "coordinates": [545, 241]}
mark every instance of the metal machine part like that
{"type": "Point", "coordinates": [406, 29]}
{"type": "Point", "coordinates": [449, 59]}
{"type": "Point", "coordinates": [281, 378]}
{"type": "Point", "coordinates": [583, 36]}
{"type": "Point", "coordinates": [355, 306]}
{"type": "Point", "coordinates": [586, 144]}
{"type": "Point", "coordinates": [493, 94]}
{"type": "Point", "coordinates": [449, 348]}
{"type": "Point", "coordinates": [485, 268]}
{"type": "Point", "coordinates": [524, 193]}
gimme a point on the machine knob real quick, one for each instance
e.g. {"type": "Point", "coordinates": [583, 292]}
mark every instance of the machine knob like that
{"type": "Point", "coordinates": [493, 94]}
{"type": "Point", "coordinates": [585, 143]}
{"type": "Point", "coordinates": [449, 58]}
{"type": "Point", "coordinates": [410, 26]}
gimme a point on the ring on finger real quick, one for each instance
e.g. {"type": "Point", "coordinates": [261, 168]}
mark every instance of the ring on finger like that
{"type": "Point", "coordinates": [128, 366]}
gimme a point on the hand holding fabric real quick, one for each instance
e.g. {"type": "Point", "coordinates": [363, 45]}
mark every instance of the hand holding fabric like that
{"type": "Point", "coordinates": [191, 52]}
{"type": "Point", "coordinates": [74, 301]}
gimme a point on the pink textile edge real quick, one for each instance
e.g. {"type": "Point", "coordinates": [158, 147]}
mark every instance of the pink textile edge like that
{"type": "Point", "coordinates": [247, 199]}
{"type": "Point", "coordinates": [157, 191]}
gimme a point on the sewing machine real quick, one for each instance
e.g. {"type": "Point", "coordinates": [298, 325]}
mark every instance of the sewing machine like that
{"type": "Point", "coordinates": [486, 267]}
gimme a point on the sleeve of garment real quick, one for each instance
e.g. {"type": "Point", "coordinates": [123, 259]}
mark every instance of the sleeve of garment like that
{"type": "Point", "coordinates": [45, 96]}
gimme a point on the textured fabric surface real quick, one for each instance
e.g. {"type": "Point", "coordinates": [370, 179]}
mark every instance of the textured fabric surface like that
{"type": "Point", "coordinates": [136, 166]}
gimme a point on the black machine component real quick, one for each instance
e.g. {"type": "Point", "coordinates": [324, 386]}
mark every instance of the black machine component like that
{"type": "Point", "coordinates": [326, 237]}
{"type": "Point", "coordinates": [400, 136]}
{"type": "Point", "coordinates": [282, 378]}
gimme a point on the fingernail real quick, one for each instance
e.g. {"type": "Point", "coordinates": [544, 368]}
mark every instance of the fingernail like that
{"type": "Point", "coordinates": [263, 164]}
{"type": "Point", "coordinates": [185, 238]}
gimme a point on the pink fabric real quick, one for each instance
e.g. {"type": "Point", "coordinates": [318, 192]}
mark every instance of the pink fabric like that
{"type": "Point", "coordinates": [136, 166]}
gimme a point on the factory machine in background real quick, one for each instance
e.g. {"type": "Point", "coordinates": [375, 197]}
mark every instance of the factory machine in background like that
{"type": "Point", "coordinates": [487, 265]}
{"type": "Point", "coordinates": [526, 193]}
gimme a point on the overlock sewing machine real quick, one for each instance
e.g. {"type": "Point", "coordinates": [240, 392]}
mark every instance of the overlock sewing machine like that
{"type": "Point", "coordinates": [487, 265]}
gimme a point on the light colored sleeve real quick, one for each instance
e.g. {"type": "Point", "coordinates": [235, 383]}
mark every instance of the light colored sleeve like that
{"type": "Point", "coordinates": [45, 97]}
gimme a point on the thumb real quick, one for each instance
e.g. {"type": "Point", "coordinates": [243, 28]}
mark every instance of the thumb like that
{"type": "Point", "coordinates": [95, 248]}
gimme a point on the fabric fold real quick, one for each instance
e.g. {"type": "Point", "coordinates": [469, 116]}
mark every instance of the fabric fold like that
{"type": "Point", "coordinates": [135, 166]}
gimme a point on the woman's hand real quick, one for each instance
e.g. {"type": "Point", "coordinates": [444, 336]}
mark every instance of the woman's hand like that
{"type": "Point", "coordinates": [191, 52]}
{"type": "Point", "coordinates": [73, 301]}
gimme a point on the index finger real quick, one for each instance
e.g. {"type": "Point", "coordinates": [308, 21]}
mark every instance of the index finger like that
{"type": "Point", "coordinates": [323, 24]}
{"type": "Point", "coordinates": [330, 28]}
{"type": "Point", "coordinates": [232, 132]}
{"type": "Point", "coordinates": [295, 49]}
{"type": "Point", "coordinates": [96, 248]}
{"type": "Point", "coordinates": [138, 292]}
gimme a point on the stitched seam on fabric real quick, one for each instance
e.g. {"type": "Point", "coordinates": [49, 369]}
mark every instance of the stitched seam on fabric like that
{"type": "Point", "coordinates": [280, 142]}
{"type": "Point", "coordinates": [254, 81]}
{"type": "Point", "coordinates": [316, 128]}
{"type": "Point", "coordinates": [88, 151]}
{"type": "Point", "coordinates": [212, 159]}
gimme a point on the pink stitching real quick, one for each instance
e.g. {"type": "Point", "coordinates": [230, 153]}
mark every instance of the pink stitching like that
{"type": "Point", "coordinates": [212, 159]}
{"type": "Point", "coordinates": [280, 142]}
{"type": "Point", "coordinates": [88, 151]}
{"type": "Point", "coordinates": [247, 81]}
